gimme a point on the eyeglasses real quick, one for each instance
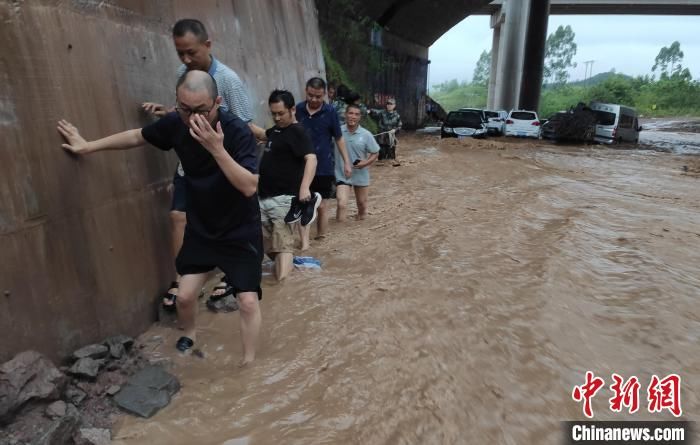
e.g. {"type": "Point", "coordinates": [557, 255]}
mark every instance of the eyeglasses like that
{"type": "Point", "coordinates": [186, 112]}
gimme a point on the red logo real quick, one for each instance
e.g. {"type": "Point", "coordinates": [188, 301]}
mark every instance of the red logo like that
{"type": "Point", "coordinates": [625, 395]}
{"type": "Point", "coordinates": [665, 394]}
{"type": "Point", "coordinates": [661, 394]}
{"type": "Point", "coordinates": [587, 391]}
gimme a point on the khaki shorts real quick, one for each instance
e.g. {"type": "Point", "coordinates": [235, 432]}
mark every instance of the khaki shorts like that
{"type": "Point", "coordinates": [278, 235]}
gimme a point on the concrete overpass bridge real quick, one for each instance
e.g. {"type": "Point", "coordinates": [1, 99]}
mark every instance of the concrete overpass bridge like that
{"type": "Point", "coordinates": [519, 28]}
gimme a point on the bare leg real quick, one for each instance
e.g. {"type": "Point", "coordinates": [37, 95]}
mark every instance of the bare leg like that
{"type": "Point", "coordinates": [250, 324]}
{"type": "Point", "coordinates": [361, 196]}
{"type": "Point", "coordinates": [190, 286]}
{"type": "Point", "coordinates": [322, 219]}
{"type": "Point", "coordinates": [342, 193]}
{"type": "Point", "coordinates": [284, 262]}
{"type": "Point", "coordinates": [178, 220]}
{"type": "Point", "coordinates": [304, 232]}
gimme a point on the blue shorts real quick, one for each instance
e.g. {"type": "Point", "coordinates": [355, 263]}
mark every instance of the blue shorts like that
{"type": "Point", "coordinates": [179, 195]}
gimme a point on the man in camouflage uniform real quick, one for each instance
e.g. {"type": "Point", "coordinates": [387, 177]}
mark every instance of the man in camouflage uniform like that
{"type": "Point", "coordinates": [389, 123]}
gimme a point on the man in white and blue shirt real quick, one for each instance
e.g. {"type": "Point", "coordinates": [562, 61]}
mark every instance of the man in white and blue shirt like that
{"type": "Point", "coordinates": [363, 151]}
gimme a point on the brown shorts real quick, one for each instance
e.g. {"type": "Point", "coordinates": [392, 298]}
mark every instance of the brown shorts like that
{"type": "Point", "coordinates": [278, 235]}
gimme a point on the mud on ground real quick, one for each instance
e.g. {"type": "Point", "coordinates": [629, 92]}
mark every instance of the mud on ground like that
{"type": "Point", "coordinates": [488, 278]}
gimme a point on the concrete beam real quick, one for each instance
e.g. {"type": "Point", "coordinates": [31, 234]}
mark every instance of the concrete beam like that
{"type": "Point", "coordinates": [612, 7]}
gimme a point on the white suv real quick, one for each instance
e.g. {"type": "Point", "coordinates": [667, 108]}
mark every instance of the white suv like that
{"type": "Point", "coordinates": [496, 121]}
{"type": "Point", "coordinates": [523, 123]}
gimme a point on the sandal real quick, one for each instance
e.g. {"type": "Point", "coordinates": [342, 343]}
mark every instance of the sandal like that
{"type": "Point", "coordinates": [169, 297]}
{"type": "Point", "coordinates": [227, 288]}
{"type": "Point", "coordinates": [184, 343]}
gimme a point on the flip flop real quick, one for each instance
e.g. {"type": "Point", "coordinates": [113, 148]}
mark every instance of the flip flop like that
{"type": "Point", "coordinates": [184, 343]}
{"type": "Point", "coordinates": [227, 288]}
{"type": "Point", "coordinates": [169, 298]}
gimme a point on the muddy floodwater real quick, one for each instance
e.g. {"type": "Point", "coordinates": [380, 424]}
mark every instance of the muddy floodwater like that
{"type": "Point", "coordinates": [488, 278]}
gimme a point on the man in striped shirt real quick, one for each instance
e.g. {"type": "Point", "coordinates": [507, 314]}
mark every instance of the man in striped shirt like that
{"type": "Point", "coordinates": [194, 50]}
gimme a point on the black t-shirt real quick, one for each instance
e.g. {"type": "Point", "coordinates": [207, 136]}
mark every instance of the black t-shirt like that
{"type": "Point", "coordinates": [216, 210]}
{"type": "Point", "coordinates": [282, 163]}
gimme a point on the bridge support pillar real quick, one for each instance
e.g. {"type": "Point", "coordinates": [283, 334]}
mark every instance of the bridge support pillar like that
{"type": "Point", "coordinates": [511, 52]}
{"type": "Point", "coordinates": [496, 22]}
{"type": "Point", "coordinates": [533, 63]}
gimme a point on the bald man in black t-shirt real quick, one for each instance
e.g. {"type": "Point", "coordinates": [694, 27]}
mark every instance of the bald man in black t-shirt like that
{"type": "Point", "coordinates": [218, 154]}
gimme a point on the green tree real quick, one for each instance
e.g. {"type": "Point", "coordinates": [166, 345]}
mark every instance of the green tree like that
{"type": "Point", "coordinates": [669, 63]}
{"type": "Point", "coordinates": [616, 89]}
{"type": "Point", "coordinates": [483, 69]}
{"type": "Point", "coordinates": [559, 52]}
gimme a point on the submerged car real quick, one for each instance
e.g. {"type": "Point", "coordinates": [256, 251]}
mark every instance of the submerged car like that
{"type": "Point", "coordinates": [463, 124]}
{"type": "Point", "coordinates": [496, 121]}
{"type": "Point", "coordinates": [616, 123]}
{"type": "Point", "coordinates": [578, 124]}
{"type": "Point", "coordinates": [523, 123]}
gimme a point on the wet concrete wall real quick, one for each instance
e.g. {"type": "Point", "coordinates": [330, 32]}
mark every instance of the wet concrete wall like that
{"type": "Point", "coordinates": [84, 242]}
{"type": "Point", "coordinates": [378, 63]}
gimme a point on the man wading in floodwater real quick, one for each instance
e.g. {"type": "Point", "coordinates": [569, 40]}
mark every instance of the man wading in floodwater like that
{"type": "Point", "coordinates": [218, 154]}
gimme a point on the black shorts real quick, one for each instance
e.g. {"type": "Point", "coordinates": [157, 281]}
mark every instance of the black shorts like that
{"type": "Point", "coordinates": [179, 194]}
{"type": "Point", "coordinates": [337, 183]}
{"type": "Point", "coordinates": [241, 262]}
{"type": "Point", "coordinates": [323, 184]}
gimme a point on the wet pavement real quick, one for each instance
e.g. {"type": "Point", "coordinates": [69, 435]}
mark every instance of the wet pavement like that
{"type": "Point", "coordinates": [488, 278]}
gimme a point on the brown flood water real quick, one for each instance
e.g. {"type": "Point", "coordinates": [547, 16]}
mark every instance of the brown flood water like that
{"type": "Point", "coordinates": [489, 277]}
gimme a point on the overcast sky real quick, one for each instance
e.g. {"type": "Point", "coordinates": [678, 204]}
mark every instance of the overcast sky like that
{"type": "Point", "coordinates": [628, 44]}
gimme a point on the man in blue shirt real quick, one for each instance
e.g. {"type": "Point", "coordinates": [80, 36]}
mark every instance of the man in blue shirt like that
{"type": "Point", "coordinates": [321, 121]}
{"type": "Point", "coordinates": [219, 155]}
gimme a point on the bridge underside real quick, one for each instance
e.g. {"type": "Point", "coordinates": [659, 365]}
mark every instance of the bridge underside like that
{"type": "Point", "coordinates": [611, 7]}
{"type": "Point", "coordinates": [520, 28]}
{"type": "Point", "coordinates": [425, 21]}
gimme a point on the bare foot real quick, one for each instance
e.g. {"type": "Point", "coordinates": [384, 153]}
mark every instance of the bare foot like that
{"type": "Point", "coordinates": [304, 248]}
{"type": "Point", "coordinates": [245, 362]}
{"type": "Point", "coordinates": [320, 237]}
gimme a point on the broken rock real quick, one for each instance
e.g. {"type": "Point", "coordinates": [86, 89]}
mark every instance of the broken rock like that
{"type": "Point", "coordinates": [28, 376]}
{"type": "Point", "coordinates": [56, 409]}
{"type": "Point", "coordinates": [147, 391]}
{"type": "Point", "coordinates": [91, 351]}
{"type": "Point", "coordinates": [119, 345]}
{"type": "Point", "coordinates": [86, 368]}
{"type": "Point", "coordinates": [75, 395]}
{"type": "Point", "coordinates": [226, 304]}
{"type": "Point", "coordinates": [61, 430]}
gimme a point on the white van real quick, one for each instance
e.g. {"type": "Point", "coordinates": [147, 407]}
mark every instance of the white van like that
{"type": "Point", "coordinates": [616, 123]}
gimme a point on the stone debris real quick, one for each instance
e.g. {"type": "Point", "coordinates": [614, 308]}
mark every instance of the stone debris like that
{"type": "Point", "coordinates": [119, 345]}
{"type": "Point", "coordinates": [226, 304]}
{"type": "Point", "coordinates": [91, 351]}
{"type": "Point", "coordinates": [28, 376]}
{"type": "Point", "coordinates": [74, 395]}
{"type": "Point", "coordinates": [112, 390]}
{"type": "Point", "coordinates": [56, 409]}
{"type": "Point", "coordinates": [86, 368]}
{"type": "Point", "coordinates": [147, 391]}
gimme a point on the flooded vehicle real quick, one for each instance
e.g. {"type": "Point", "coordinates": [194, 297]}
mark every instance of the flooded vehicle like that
{"type": "Point", "coordinates": [496, 121]}
{"type": "Point", "coordinates": [523, 123]}
{"type": "Point", "coordinates": [578, 124]}
{"type": "Point", "coordinates": [463, 123]}
{"type": "Point", "coordinates": [616, 123]}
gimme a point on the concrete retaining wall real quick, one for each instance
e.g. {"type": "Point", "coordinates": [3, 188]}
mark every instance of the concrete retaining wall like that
{"type": "Point", "coordinates": [84, 243]}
